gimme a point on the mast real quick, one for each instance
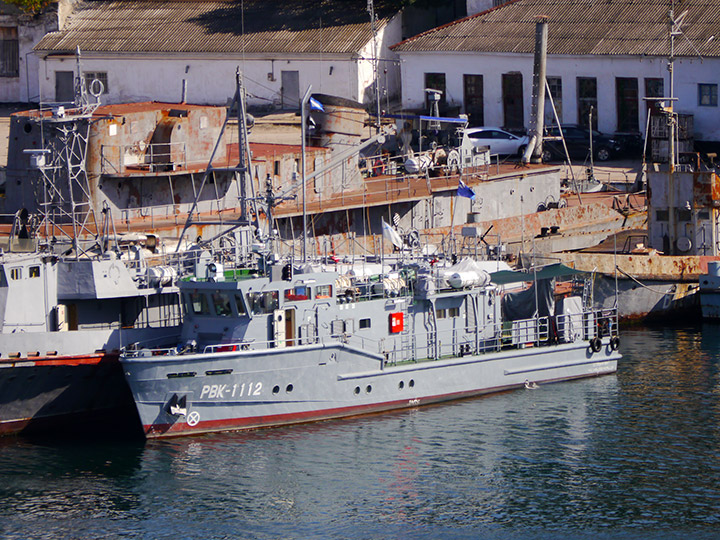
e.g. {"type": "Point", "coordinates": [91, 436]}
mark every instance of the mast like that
{"type": "Point", "coordinates": [376, 60]}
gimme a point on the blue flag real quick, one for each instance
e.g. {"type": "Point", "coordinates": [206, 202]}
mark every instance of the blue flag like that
{"type": "Point", "coordinates": [316, 105]}
{"type": "Point", "coordinates": [465, 191]}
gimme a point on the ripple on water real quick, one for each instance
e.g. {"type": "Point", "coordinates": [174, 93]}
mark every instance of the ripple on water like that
{"type": "Point", "coordinates": [632, 455]}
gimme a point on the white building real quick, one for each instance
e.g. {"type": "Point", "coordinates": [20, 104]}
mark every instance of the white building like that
{"type": "Point", "coordinates": [19, 33]}
{"type": "Point", "coordinates": [606, 55]}
{"type": "Point", "coordinates": [144, 50]}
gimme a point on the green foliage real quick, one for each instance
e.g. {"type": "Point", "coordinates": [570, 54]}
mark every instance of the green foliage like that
{"type": "Point", "coordinates": [30, 6]}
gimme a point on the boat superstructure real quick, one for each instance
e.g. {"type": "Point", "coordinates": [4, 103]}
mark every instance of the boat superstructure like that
{"type": "Point", "coordinates": [74, 291]}
{"type": "Point", "coordinates": [298, 343]}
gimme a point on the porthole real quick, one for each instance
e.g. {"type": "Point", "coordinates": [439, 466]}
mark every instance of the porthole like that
{"type": "Point", "coordinates": [276, 389]}
{"type": "Point", "coordinates": [357, 390]}
{"type": "Point", "coordinates": [289, 388]}
{"type": "Point", "coordinates": [27, 128]}
{"type": "Point", "coordinates": [368, 389]}
{"type": "Point", "coordinates": [401, 385]}
{"type": "Point", "coordinates": [411, 383]}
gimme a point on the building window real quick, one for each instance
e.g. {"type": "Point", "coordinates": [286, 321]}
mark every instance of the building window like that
{"type": "Point", "coordinates": [707, 95]}
{"type": "Point", "coordinates": [91, 76]}
{"type": "Point", "coordinates": [587, 101]}
{"type": "Point", "coordinates": [513, 101]}
{"type": "Point", "coordinates": [473, 90]}
{"type": "Point", "coordinates": [654, 88]}
{"type": "Point", "coordinates": [555, 85]}
{"type": "Point", "coordinates": [436, 81]}
{"type": "Point", "coordinates": [9, 52]}
{"type": "Point", "coordinates": [626, 101]}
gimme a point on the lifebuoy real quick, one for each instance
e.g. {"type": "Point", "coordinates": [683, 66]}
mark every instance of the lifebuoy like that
{"type": "Point", "coordinates": [596, 344]}
{"type": "Point", "coordinates": [614, 343]}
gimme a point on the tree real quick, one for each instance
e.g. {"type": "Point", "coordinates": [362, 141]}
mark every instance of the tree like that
{"type": "Point", "coordinates": [31, 6]}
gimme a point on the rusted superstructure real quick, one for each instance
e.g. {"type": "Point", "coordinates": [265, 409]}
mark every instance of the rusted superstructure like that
{"type": "Point", "coordinates": [143, 164]}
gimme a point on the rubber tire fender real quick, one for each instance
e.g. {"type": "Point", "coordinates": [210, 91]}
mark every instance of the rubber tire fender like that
{"type": "Point", "coordinates": [615, 343]}
{"type": "Point", "coordinates": [596, 344]}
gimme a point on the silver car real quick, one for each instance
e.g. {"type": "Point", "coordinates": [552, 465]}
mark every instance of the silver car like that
{"type": "Point", "coordinates": [500, 141]}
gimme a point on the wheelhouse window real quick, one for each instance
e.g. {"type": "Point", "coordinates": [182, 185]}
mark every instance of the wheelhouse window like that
{"type": "Point", "coordinates": [299, 293]}
{"type": "Point", "coordinates": [454, 312]}
{"type": "Point", "coordinates": [240, 305]}
{"type": "Point", "coordinates": [323, 291]}
{"type": "Point", "coordinates": [221, 303]}
{"type": "Point", "coordinates": [198, 303]}
{"type": "Point", "coordinates": [263, 302]}
{"type": "Point", "coordinates": [441, 313]}
{"type": "Point", "coordinates": [707, 95]}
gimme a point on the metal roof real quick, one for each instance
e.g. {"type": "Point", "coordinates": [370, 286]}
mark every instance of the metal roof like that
{"type": "Point", "coordinates": [580, 27]}
{"type": "Point", "coordinates": [233, 26]}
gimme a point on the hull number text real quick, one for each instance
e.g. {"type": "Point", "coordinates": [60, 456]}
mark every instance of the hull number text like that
{"type": "Point", "coordinates": [226, 391]}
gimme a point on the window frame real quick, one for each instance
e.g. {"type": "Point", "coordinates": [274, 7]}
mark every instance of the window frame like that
{"type": "Point", "coordinates": [712, 96]}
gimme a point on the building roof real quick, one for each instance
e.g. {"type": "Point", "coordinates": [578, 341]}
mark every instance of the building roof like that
{"type": "Point", "coordinates": [231, 26]}
{"type": "Point", "coordinates": [580, 27]}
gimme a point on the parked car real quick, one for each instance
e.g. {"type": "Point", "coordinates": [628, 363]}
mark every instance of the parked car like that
{"type": "Point", "coordinates": [500, 141]}
{"type": "Point", "coordinates": [577, 139]}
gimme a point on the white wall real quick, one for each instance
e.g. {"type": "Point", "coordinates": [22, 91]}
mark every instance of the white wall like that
{"type": "Point", "coordinates": [388, 67]}
{"type": "Point", "coordinates": [31, 30]}
{"type": "Point", "coordinates": [688, 73]}
{"type": "Point", "coordinates": [211, 80]}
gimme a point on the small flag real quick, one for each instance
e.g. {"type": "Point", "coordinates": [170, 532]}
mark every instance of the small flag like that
{"type": "Point", "coordinates": [391, 234]}
{"type": "Point", "coordinates": [315, 105]}
{"type": "Point", "coordinates": [465, 191]}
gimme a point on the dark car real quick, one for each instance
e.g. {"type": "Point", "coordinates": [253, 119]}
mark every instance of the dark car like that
{"type": "Point", "coordinates": [577, 139]}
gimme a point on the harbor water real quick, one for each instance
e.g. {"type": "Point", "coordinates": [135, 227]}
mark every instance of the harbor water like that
{"type": "Point", "coordinates": [632, 455]}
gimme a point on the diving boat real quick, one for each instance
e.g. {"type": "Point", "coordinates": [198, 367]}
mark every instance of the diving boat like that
{"type": "Point", "coordinates": [299, 343]}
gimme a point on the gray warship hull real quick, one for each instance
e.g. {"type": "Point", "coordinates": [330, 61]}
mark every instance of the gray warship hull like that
{"type": "Point", "coordinates": [254, 389]}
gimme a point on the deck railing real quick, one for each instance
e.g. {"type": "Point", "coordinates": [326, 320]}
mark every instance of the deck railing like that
{"type": "Point", "coordinates": [589, 326]}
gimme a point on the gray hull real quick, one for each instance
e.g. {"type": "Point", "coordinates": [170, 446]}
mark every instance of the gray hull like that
{"type": "Point", "coordinates": [179, 395]}
{"type": "Point", "coordinates": [649, 300]}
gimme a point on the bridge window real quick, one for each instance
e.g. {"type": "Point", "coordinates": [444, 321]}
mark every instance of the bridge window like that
{"type": "Point", "coordinates": [301, 292]}
{"type": "Point", "coordinates": [16, 273]}
{"type": "Point", "coordinates": [34, 271]}
{"type": "Point", "coordinates": [221, 302]}
{"type": "Point", "coordinates": [199, 303]}
{"type": "Point", "coordinates": [263, 302]}
{"type": "Point", "coordinates": [240, 305]}
{"type": "Point", "coordinates": [323, 291]}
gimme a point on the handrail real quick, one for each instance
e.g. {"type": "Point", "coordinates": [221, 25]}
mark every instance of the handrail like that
{"type": "Point", "coordinates": [493, 336]}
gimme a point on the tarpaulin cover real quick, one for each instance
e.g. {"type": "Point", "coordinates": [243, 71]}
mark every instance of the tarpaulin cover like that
{"type": "Point", "coordinates": [546, 272]}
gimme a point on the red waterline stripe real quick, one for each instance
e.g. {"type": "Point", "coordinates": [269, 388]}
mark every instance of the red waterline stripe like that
{"type": "Point", "coordinates": [169, 430]}
{"type": "Point", "coordinates": [74, 360]}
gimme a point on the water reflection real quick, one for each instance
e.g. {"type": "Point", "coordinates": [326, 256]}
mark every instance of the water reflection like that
{"type": "Point", "coordinates": [627, 454]}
